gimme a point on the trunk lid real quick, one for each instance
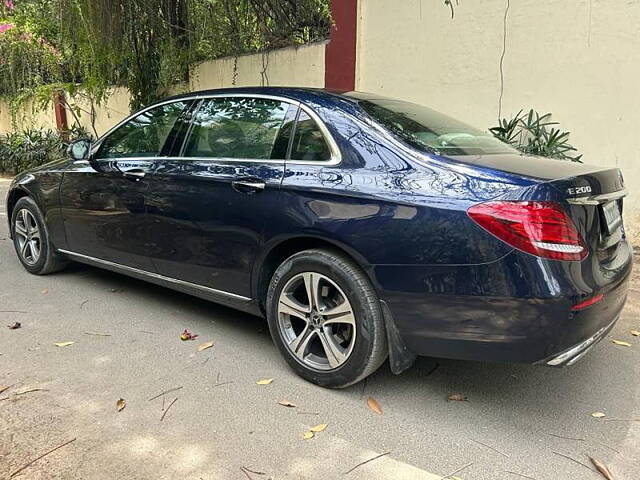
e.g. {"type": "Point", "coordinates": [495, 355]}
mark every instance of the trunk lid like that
{"type": "Point", "coordinates": [591, 195]}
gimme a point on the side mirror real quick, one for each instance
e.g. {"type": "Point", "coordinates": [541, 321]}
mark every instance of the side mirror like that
{"type": "Point", "coordinates": [80, 149]}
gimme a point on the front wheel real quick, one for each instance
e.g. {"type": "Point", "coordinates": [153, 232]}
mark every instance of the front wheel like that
{"type": "Point", "coordinates": [325, 318]}
{"type": "Point", "coordinates": [31, 239]}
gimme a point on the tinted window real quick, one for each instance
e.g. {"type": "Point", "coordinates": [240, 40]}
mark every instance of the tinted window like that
{"type": "Point", "coordinates": [238, 128]}
{"type": "Point", "coordinates": [428, 130]}
{"type": "Point", "coordinates": [144, 135]}
{"type": "Point", "coordinates": [309, 142]}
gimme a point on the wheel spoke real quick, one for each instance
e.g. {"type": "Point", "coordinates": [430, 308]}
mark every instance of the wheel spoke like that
{"type": "Point", "coordinates": [335, 354]}
{"type": "Point", "coordinates": [312, 286]}
{"type": "Point", "coordinates": [35, 250]}
{"type": "Point", "coordinates": [25, 219]}
{"type": "Point", "coordinates": [20, 229]}
{"type": "Point", "coordinates": [291, 306]}
{"type": "Point", "coordinates": [23, 249]}
{"type": "Point", "coordinates": [340, 314]}
{"type": "Point", "coordinates": [32, 226]}
{"type": "Point", "coordinates": [300, 344]}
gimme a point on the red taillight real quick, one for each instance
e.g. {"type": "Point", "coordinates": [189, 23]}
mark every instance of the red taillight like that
{"type": "Point", "coordinates": [539, 228]}
{"type": "Point", "coordinates": [587, 303]}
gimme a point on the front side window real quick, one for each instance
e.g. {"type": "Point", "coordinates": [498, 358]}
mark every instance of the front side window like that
{"type": "Point", "coordinates": [242, 128]}
{"type": "Point", "coordinates": [431, 131]}
{"type": "Point", "coordinates": [144, 135]}
{"type": "Point", "coordinates": [309, 142]}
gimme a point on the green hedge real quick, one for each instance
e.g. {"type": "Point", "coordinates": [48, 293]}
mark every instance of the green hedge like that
{"type": "Point", "coordinates": [32, 147]}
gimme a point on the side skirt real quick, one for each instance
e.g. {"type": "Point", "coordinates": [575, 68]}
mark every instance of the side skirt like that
{"type": "Point", "coordinates": [228, 299]}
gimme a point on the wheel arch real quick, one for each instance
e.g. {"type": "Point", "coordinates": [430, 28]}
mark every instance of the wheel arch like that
{"type": "Point", "coordinates": [278, 251]}
{"type": "Point", "coordinates": [12, 198]}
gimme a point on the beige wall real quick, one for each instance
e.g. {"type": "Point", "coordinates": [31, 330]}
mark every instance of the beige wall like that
{"type": "Point", "coordinates": [27, 117]}
{"type": "Point", "coordinates": [579, 60]}
{"type": "Point", "coordinates": [296, 66]}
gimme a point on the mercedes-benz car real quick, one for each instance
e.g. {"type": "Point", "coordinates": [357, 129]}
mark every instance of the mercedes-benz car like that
{"type": "Point", "coordinates": [362, 227]}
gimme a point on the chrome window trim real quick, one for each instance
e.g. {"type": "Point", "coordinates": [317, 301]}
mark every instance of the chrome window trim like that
{"type": "Point", "coordinates": [156, 276]}
{"type": "Point", "coordinates": [99, 141]}
{"type": "Point", "coordinates": [598, 199]}
{"type": "Point", "coordinates": [336, 156]}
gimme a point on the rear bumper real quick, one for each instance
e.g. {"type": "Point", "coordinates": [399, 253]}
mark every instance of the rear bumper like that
{"type": "Point", "coordinates": [575, 353]}
{"type": "Point", "coordinates": [517, 309]}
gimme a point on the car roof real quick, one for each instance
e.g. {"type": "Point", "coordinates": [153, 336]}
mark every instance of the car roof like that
{"type": "Point", "coordinates": [294, 93]}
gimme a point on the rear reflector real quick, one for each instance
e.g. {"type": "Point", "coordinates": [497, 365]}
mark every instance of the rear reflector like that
{"type": "Point", "coordinates": [587, 303]}
{"type": "Point", "coordinates": [539, 228]}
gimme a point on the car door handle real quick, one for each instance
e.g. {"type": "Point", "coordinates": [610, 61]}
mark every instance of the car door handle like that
{"type": "Point", "coordinates": [135, 174]}
{"type": "Point", "coordinates": [249, 185]}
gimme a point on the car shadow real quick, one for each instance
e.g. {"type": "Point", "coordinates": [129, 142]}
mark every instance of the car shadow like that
{"type": "Point", "coordinates": [541, 401]}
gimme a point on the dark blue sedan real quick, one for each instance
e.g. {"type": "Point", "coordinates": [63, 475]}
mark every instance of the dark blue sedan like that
{"type": "Point", "coordinates": [363, 228]}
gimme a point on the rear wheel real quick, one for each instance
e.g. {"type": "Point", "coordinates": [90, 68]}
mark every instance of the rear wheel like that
{"type": "Point", "coordinates": [325, 318]}
{"type": "Point", "coordinates": [31, 239]}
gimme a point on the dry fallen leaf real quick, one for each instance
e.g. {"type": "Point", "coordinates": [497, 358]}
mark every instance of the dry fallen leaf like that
{"type": "Point", "coordinates": [635, 333]}
{"type": "Point", "coordinates": [319, 428]}
{"type": "Point", "coordinates": [374, 405]}
{"type": "Point", "coordinates": [29, 390]}
{"type": "Point", "coordinates": [63, 344]}
{"type": "Point", "coordinates": [602, 468]}
{"type": "Point", "coordinates": [457, 397]}
{"type": "Point", "coordinates": [598, 415]}
{"type": "Point", "coordinates": [284, 403]}
{"type": "Point", "coordinates": [307, 435]}
{"type": "Point", "coordinates": [45, 291]}
{"type": "Point", "coordinates": [15, 326]}
{"type": "Point", "coordinates": [620, 342]}
{"type": "Point", "coordinates": [4, 389]}
{"type": "Point", "coordinates": [265, 381]}
{"type": "Point", "coordinates": [204, 346]}
{"type": "Point", "coordinates": [120, 404]}
{"type": "Point", "coordinates": [187, 335]}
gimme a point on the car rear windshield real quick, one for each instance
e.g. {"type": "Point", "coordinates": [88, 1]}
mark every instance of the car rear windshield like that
{"type": "Point", "coordinates": [431, 131]}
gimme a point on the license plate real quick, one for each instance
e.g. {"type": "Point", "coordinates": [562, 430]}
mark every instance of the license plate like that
{"type": "Point", "coordinates": [612, 216]}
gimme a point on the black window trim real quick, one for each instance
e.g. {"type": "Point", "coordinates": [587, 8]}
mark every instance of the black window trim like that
{"type": "Point", "coordinates": [335, 158]}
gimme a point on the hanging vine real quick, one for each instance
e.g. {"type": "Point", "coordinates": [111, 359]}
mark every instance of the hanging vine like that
{"type": "Point", "coordinates": [145, 46]}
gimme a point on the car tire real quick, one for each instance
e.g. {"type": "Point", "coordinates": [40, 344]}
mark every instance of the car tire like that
{"type": "Point", "coordinates": [337, 349]}
{"type": "Point", "coordinates": [31, 239]}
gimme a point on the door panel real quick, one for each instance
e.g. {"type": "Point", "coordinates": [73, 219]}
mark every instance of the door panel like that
{"type": "Point", "coordinates": [202, 229]}
{"type": "Point", "coordinates": [104, 212]}
{"type": "Point", "coordinates": [209, 206]}
{"type": "Point", "coordinates": [103, 200]}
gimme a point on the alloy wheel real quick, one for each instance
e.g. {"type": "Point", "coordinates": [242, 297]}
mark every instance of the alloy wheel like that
{"type": "Point", "coordinates": [316, 321]}
{"type": "Point", "coordinates": [28, 236]}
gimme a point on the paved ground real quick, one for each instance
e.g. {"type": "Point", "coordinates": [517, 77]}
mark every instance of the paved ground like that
{"type": "Point", "coordinates": [223, 421]}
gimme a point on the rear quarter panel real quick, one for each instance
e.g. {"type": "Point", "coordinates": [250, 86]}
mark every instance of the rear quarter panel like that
{"type": "Point", "coordinates": [388, 203]}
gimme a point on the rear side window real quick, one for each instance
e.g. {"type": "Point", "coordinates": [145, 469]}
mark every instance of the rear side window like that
{"type": "Point", "coordinates": [431, 131]}
{"type": "Point", "coordinates": [309, 142]}
{"type": "Point", "coordinates": [238, 128]}
{"type": "Point", "coordinates": [144, 135]}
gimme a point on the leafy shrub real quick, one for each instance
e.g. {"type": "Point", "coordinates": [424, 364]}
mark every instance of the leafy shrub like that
{"type": "Point", "coordinates": [25, 61]}
{"type": "Point", "coordinates": [530, 133]}
{"type": "Point", "coordinates": [32, 147]}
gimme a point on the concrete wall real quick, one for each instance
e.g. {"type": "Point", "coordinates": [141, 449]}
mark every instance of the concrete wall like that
{"type": "Point", "coordinates": [295, 66]}
{"type": "Point", "coordinates": [579, 60]}
{"type": "Point", "coordinates": [27, 117]}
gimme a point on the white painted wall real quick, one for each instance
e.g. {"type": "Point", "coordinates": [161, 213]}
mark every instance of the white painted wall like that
{"type": "Point", "coordinates": [578, 59]}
